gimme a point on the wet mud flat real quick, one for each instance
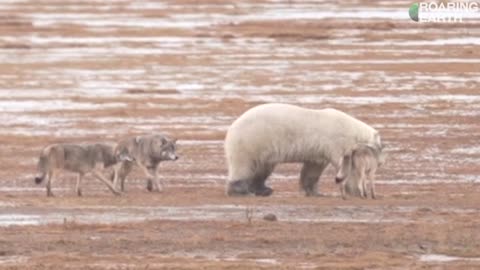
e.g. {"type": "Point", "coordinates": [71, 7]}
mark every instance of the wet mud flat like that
{"type": "Point", "coordinates": [79, 72]}
{"type": "Point", "coordinates": [182, 228]}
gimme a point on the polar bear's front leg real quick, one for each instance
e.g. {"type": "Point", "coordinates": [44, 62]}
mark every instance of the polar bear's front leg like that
{"type": "Point", "coordinates": [257, 186]}
{"type": "Point", "coordinates": [310, 175]}
{"type": "Point", "coordinates": [237, 188]}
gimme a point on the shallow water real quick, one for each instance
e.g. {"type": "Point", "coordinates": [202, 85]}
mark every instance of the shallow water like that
{"type": "Point", "coordinates": [439, 258]}
{"type": "Point", "coordinates": [6, 260]}
{"type": "Point", "coordinates": [285, 213]}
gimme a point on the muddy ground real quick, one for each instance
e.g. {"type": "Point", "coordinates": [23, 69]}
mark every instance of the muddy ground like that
{"type": "Point", "coordinates": [76, 71]}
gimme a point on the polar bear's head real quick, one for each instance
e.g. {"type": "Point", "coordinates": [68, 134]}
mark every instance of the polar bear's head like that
{"type": "Point", "coordinates": [345, 168]}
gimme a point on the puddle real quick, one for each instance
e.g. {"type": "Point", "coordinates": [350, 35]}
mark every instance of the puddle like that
{"type": "Point", "coordinates": [53, 105]}
{"type": "Point", "coordinates": [469, 150]}
{"type": "Point", "coordinates": [285, 213]}
{"type": "Point", "coordinates": [6, 260]}
{"type": "Point", "coordinates": [7, 204]}
{"type": "Point", "coordinates": [440, 258]}
{"type": "Point", "coordinates": [200, 256]}
{"type": "Point", "coordinates": [266, 261]}
{"type": "Point", "coordinates": [222, 256]}
{"type": "Point", "coordinates": [19, 219]}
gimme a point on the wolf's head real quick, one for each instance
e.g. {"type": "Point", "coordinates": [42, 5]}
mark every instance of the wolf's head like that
{"type": "Point", "coordinates": [163, 148]}
{"type": "Point", "coordinates": [122, 154]}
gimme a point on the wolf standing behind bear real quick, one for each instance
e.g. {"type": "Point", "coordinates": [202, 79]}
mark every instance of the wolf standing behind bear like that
{"type": "Point", "coordinates": [359, 167]}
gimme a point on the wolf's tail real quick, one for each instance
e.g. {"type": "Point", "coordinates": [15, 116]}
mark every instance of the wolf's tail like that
{"type": "Point", "coordinates": [351, 187]}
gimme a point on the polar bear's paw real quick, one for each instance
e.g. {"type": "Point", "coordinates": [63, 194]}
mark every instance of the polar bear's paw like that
{"type": "Point", "coordinates": [238, 188]}
{"type": "Point", "coordinates": [264, 192]}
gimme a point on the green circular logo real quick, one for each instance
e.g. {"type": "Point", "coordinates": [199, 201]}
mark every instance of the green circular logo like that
{"type": "Point", "coordinates": [413, 12]}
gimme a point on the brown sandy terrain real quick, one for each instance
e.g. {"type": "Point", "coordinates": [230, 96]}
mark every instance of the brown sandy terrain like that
{"type": "Point", "coordinates": [103, 70]}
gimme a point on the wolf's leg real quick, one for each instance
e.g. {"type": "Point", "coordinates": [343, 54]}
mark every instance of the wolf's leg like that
{"type": "Point", "coordinates": [343, 187]}
{"type": "Point", "coordinates": [123, 173]}
{"type": "Point", "coordinates": [360, 184]}
{"type": "Point", "coordinates": [114, 174]}
{"type": "Point", "coordinates": [158, 182]}
{"type": "Point", "coordinates": [365, 184]}
{"type": "Point", "coordinates": [100, 177]}
{"type": "Point", "coordinates": [309, 176]}
{"type": "Point", "coordinates": [155, 182]}
{"type": "Point", "coordinates": [50, 178]}
{"type": "Point", "coordinates": [78, 187]}
{"type": "Point", "coordinates": [372, 185]}
{"type": "Point", "coordinates": [150, 177]}
{"type": "Point", "coordinates": [117, 174]}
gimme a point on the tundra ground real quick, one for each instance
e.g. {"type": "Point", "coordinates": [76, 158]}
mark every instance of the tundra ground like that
{"type": "Point", "coordinates": [105, 70]}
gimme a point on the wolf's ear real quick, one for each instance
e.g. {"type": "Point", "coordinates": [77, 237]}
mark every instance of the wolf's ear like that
{"type": "Point", "coordinates": [378, 141]}
{"type": "Point", "coordinates": [174, 140]}
{"type": "Point", "coordinates": [137, 139]}
{"type": "Point", "coordinates": [382, 145]}
{"type": "Point", "coordinates": [164, 141]}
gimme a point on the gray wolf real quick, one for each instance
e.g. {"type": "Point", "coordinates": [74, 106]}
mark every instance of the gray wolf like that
{"type": "Point", "coordinates": [147, 151]}
{"type": "Point", "coordinates": [359, 167]}
{"type": "Point", "coordinates": [78, 158]}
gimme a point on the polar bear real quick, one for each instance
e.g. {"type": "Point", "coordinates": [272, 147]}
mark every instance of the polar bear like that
{"type": "Point", "coordinates": [269, 134]}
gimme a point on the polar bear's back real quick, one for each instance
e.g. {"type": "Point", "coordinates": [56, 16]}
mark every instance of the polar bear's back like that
{"type": "Point", "coordinates": [284, 120]}
{"type": "Point", "coordinates": [272, 116]}
{"type": "Point", "coordinates": [268, 129]}
{"type": "Point", "coordinates": [267, 124]}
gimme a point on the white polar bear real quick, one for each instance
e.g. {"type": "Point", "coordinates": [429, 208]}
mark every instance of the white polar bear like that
{"type": "Point", "coordinates": [269, 134]}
